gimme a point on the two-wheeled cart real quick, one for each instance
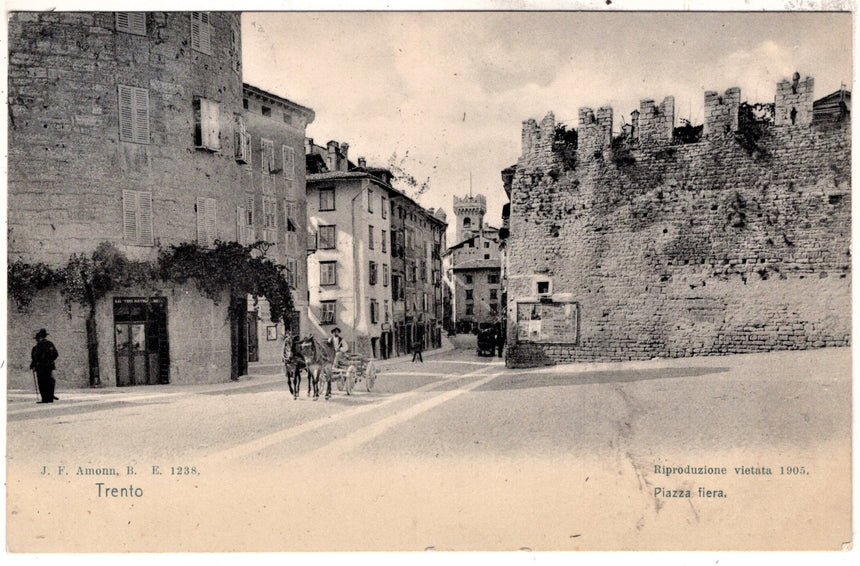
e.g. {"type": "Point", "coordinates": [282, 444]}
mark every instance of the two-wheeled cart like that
{"type": "Point", "coordinates": [351, 369]}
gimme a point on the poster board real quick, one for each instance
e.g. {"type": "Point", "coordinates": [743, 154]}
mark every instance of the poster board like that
{"type": "Point", "coordinates": [547, 322]}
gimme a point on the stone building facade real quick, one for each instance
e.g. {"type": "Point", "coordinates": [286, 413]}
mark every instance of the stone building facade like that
{"type": "Point", "coordinates": [419, 238]}
{"type": "Point", "coordinates": [377, 253]}
{"type": "Point", "coordinates": [123, 130]}
{"type": "Point", "coordinates": [641, 246]}
{"type": "Point", "coordinates": [271, 152]}
{"type": "Point", "coordinates": [474, 267]}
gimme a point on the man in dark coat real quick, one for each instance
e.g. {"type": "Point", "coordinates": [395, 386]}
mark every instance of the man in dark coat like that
{"type": "Point", "coordinates": [417, 347]}
{"type": "Point", "coordinates": [500, 337]}
{"type": "Point", "coordinates": [42, 362]}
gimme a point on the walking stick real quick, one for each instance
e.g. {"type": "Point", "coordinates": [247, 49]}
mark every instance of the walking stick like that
{"type": "Point", "coordinates": [36, 384]}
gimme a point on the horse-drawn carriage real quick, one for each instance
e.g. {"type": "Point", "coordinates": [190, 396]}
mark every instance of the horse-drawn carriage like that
{"type": "Point", "coordinates": [318, 359]}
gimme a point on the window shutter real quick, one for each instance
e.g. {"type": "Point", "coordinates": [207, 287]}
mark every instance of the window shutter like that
{"type": "Point", "coordinates": [145, 218]}
{"type": "Point", "coordinates": [241, 142]}
{"type": "Point", "coordinates": [126, 113]}
{"type": "Point", "coordinates": [131, 22]}
{"type": "Point", "coordinates": [201, 34]}
{"type": "Point", "coordinates": [241, 233]}
{"type": "Point", "coordinates": [195, 30]}
{"type": "Point", "coordinates": [141, 115]}
{"type": "Point", "coordinates": [289, 155]}
{"type": "Point", "coordinates": [206, 221]}
{"type": "Point", "coordinates": [206, 122]}
{"type": "Point", "coordinates": [123, 21]}
{"type": "Point", "coordinates": [267, 150]}
{"type": "Point", "coordinates": [294, 273]}
{"type": "Point", "coordinates": [211, 226]}
{"type": "Point", "coordinates": [211, 131]}
{"type": "Point", "coordinates": [264, 157]}
{"type": "Point", "coordinates": [129, 216]}
{"type": "Point", "coordinates": [201, 221]}
{"type": "Point", "coordinates": [238, 138]}
{"type": "Point", "coordinates": [249, 224]}
{"type": "Point", "coordinates": [137, 218]}
{"type": "Point", "coordinates": [137, 22]}
{"type": "Point", "coordinates": [205, 33]}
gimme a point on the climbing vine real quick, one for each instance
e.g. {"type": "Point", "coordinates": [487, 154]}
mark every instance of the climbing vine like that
{"type": "Point", "coordinates": [25, 280]}
{"type": "Point", "coordinates": [242, 270]}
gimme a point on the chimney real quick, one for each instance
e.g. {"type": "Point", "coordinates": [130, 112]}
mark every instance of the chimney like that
{"type": "Point", "coordinates": [344, 150]}
{"type": "Point", "coordinates": [362, 162]}
{"type": "Point", "coordinates": [331, 158]}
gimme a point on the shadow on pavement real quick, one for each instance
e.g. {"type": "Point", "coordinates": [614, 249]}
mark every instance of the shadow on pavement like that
{"type": "Point", "coordinates": [528, 381]}
{"type": "Point", "coordinates": [60, 409]}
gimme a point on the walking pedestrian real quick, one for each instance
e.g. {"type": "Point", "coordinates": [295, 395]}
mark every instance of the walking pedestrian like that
{"type": "Point", "coordinates": [416, 352]}
{"type": "Point", "coordinates": [42, 359]}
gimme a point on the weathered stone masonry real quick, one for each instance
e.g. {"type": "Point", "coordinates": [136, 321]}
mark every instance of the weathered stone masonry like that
{"type": "Point", "coordinates": [737, 243]}
{"type": "Point", "coordinates": [68, 166]}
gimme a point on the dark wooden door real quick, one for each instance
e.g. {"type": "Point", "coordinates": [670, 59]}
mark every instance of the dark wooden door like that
{"type": "Point", "coordinates": [141, 341]}
{"type": "Point", "coordinates": [253, 344]}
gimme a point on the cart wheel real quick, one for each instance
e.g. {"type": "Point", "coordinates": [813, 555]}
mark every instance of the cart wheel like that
{"type": "Point", "coordinates": [370, 375]}
{"type": "Point", "coordinates": [339, 378]}
{"type": "Point", "coordinates": [349, 379]}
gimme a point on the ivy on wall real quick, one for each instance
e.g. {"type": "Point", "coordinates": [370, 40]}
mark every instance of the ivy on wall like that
{"type": "Point", "coordinates": [241, 270]}
{"type": "Point", "coordinates": [25, 280]}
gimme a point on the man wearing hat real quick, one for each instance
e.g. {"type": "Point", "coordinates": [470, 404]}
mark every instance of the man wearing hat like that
{"type": "Point", "coordinates": [43, 355]}
{"type": "Point", "coordinates": [338, 344]}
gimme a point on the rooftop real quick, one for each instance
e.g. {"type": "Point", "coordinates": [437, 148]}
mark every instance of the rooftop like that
{"type": "Point", "coordinates": [280, 101]}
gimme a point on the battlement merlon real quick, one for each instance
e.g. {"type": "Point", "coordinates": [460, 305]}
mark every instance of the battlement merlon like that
{"type": "Point", "coordinates": [721, 112]}
{"type": "Point", "coordinates": [530, 134]}
{"type": "Point", "coordinates": [655, 123]}
{"type": "Point", "coordinates": [595, 129]}
{"type": "Point", "coordinates": [537, 138]}
{"type": "Point", "coordinates": [793, 101]}
{"type": "Point", "coordinates": [475, 200]}
{"type": "Point", "coordinates": [793, 106]}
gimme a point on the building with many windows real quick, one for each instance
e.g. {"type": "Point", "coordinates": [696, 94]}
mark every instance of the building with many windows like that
{"type": "Point", "coordinates": [372, 272]}
{"type": "Point", "coordinates": [473, 267]}
{"type": "Point", "coordinates": [418, 241]}
{"type": "Point", "coordinates": [270, 139]}
{"type": "Point", "coordinates": [126, 136]}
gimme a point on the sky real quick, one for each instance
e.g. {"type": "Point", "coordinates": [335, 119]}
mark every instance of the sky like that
{"type": "Point", "coordinates": [447, 92]}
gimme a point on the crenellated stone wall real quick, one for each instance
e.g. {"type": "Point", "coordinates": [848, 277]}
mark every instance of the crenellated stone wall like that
{"type": "Point", "coordinates": [737, 243]}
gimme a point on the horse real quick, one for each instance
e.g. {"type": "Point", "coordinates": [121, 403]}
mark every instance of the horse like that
{"type": "Point", "coordinates": [318, 357]}
{"type": "Point", "coordinates": [293, 363]}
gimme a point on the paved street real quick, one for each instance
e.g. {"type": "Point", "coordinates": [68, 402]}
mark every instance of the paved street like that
{"type": "Point", "coordinates": [455, 453]}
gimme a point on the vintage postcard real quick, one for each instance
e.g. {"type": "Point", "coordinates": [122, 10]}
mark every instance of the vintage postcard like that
{"type": "Point", "coordinates": [336, 281]}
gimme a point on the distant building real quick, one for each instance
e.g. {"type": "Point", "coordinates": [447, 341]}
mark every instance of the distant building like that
{"type": "Point", "coordinates": [368, 276]}
{"type": "Point", "coordinates": [417, 260]}
{"type": "Point", "coordinates": [505, 233]}
{"type": "Point", "coordinates": [835, 107]}
{"type": "Point", "coordinates": [474, 267]}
